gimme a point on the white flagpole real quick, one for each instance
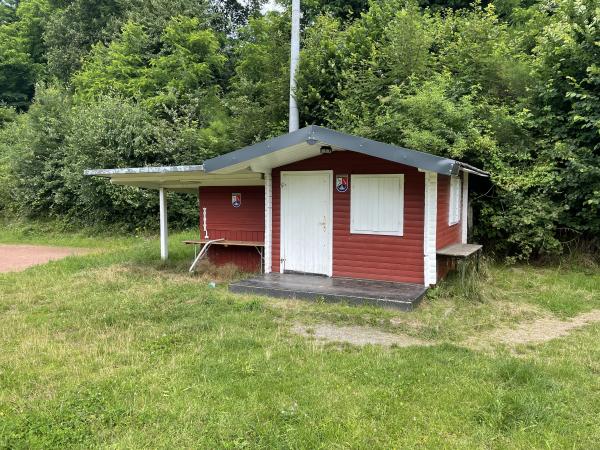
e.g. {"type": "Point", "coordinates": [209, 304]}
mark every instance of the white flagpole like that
{"type": "Point", "coordinates": [294, 120]}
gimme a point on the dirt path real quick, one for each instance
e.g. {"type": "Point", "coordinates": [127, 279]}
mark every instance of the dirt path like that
{"type": "Point", "coordinates": [534, 332]}
{"type": "Point", "coordinates": [19, 257]}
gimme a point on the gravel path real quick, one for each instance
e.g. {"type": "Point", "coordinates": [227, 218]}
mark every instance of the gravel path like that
{"type": "Point", "coordinates": [20, 257]}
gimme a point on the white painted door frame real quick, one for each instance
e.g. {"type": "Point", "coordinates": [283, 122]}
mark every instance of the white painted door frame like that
{"type": "Point", "coordinates": [329, 218]}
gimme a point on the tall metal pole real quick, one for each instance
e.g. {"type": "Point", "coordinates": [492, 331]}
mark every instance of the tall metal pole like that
{"type": "Point", "coordinates": [294, 122]}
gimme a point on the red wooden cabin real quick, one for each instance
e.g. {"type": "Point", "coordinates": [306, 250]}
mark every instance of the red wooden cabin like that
{"type": "Point", "coordinates": [317, 201]}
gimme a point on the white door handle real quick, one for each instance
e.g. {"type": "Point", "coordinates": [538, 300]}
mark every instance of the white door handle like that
{"type": "Point", "coordinates": [324, 223]}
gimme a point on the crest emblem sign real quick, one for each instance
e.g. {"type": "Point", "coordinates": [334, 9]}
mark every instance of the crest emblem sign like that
{"type": "Point", "coordinates": [236, 199]}
{"type": "Point", "coordinates": [341, 183]}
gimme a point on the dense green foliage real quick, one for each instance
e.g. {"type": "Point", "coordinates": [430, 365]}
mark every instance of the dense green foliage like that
{"type": "Point", "coordinates": [511, 86]}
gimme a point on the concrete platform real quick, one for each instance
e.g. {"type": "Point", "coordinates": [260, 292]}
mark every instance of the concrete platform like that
{"type": "Point", "coordinates": [404, 296]}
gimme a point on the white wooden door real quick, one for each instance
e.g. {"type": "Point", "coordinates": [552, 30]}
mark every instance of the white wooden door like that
{"type": "Point", "coordinates": [306, 222]}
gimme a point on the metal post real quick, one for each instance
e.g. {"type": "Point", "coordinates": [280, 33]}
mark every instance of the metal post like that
{"type": "Point", "coordinates": [164, 227]}
{"type": "Point", "coordinates": [268, 267]}
{"type": "Point", "coordinates": [294, 119]}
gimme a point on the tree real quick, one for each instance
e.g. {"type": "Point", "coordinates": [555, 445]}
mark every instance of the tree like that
{"type": "Point", "coordinates": [35, 143]}
{"type": "Point", "coordinates": [567, 110]}
{"type": "Point", "coordinates": [112, 131]}
{"type": "Point", "coordinates": [21, 51]}
{"type": "Point", "coordinates": [345, 10]}
{"type": "Point", "coordinates": [177, 80]}
{"type": "Point", "coordinates": [259, 92]}
{"type": "Point", "coordinates": [323, 59]}
{"type": "Point", "coordinates": [511, 86]}
{"type": "Point", "coordinates": [8, 10]}
{"type": "Point", "coordinates": [73, 29]}
{"type": "Point", "coordinates": [231, 15]}
{"type": "Point", "coordinates": [17, 71]}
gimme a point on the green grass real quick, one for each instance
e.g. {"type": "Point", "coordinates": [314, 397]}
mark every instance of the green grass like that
{"type": "Point", "coordinates": [116, 349]}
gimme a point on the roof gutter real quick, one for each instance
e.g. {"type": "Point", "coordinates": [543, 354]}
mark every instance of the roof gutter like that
{"type": "Point", "coordinates": [470, 169]}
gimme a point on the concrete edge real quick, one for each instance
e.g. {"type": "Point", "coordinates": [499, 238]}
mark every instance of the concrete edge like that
{"type": "Point", "coordinates": [239, 288]}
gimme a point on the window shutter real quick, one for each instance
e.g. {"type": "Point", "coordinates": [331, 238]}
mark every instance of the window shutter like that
{"type": "Point", "coordinates": [377, 204]}
{"type": "Point", "coordinates": [454, 200]}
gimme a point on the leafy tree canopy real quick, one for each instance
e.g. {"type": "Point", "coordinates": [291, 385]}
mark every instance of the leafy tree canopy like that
{"type": "Point", "coordinates": [511, 86]}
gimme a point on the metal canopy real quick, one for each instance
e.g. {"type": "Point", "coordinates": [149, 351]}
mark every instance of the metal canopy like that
{"type": "Point", "coordinates": [306, 142]}
{"type": "Point", "coordinates": [176, 178]}
{"type": "Point", "coordinates": [143, 170]}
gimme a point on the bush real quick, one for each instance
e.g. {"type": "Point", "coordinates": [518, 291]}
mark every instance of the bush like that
{"type": "Point", "coordinates": [47, 150]}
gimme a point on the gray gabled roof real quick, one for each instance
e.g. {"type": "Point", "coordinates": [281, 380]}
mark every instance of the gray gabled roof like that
{"type": "Point", "coordinates": [245, 167]}
{"type": "Point", "coordinates": [313, 135]}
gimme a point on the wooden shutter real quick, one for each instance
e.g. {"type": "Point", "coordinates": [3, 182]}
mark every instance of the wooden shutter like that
{"type": "Point", "coordinates": [377, 204]}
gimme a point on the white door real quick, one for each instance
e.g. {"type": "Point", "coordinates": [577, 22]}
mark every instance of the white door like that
{"type": "Point", "coordinates": [306, 222]}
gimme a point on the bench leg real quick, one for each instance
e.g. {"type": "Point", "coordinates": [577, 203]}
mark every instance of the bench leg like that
{"type": "Point", "coordinates": [203, 252]}
{"type": "Point", "coordinates": [200, 255]}
{"type": "Point", "coordinates": [261, 254]}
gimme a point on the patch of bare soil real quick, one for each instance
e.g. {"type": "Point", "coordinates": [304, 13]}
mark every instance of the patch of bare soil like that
{"type": "Point", "coordinates": [535, 332]}
{"type": "Point", "coordinates": [531, 332]}
{"type": "Point", "coordinates": [356, 335]}
{"type": "Point", "coordinates": [20, 257]}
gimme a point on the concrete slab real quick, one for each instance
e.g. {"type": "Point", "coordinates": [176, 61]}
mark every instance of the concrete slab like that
{"type": "Point", "coordinates": [404, 296]}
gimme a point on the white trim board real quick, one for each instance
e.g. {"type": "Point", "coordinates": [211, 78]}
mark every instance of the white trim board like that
{"type": "Point", "coordinates": [465, 209]}
{"type": "Point", "coordinates": [430, 230]}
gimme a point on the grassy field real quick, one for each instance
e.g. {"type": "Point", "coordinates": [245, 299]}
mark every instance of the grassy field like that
{"type": "Point", "coordinates": [115, 349]}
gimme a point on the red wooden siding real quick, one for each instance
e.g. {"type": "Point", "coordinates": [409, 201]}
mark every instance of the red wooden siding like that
{"type": "Point", "coordinates": [445, 234]}
{"type": "Point", "coordinates": [445, 265]}
{"type": "Point", "coordinates": [246, 259]}
{"type": "Point", "coordinates": [246, 223]}
{"type": "Point", "coordinates": [376, 257]}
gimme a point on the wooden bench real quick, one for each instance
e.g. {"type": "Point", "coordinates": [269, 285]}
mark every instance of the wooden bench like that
{"type": "Point", "coordinates": [206, 243]}
{"type": "Point", "coordinates": [459, 250]}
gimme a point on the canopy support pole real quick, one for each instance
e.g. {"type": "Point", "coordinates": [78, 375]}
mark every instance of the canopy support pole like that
{"type": "Point", "coordinates": [268, 265]}
{"type": "Point", "coordinates": [164, 227]}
